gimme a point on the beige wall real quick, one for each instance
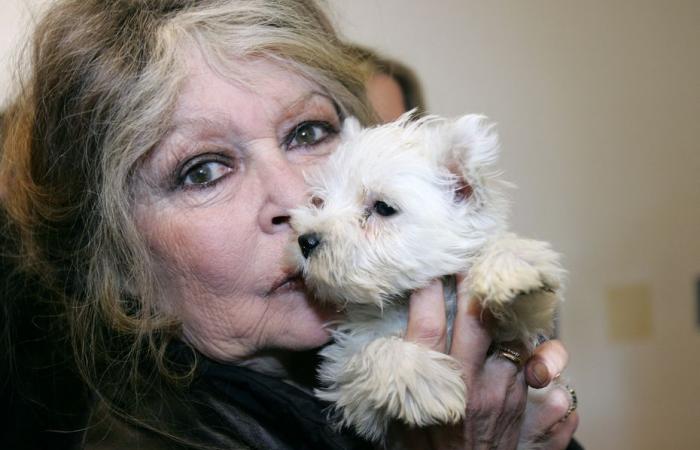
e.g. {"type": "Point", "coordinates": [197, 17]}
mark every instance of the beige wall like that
{"type": "Point", "coordinates": [16, 17]}
{"type": "Point", "coordinates": [598, 104]}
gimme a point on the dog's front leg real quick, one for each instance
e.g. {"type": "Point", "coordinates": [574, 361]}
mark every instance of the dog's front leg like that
{"type": "Point", "coordinates": [518, 281]}
{"type": "Point", "coordinates": [392, 379]}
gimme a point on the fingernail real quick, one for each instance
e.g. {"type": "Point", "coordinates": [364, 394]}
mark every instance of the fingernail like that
{"type": "Point", "coordinates": [540, 373]}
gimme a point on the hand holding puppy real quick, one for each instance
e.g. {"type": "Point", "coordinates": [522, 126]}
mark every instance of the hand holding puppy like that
{"type": "Point", "coordinates": [490, 422]}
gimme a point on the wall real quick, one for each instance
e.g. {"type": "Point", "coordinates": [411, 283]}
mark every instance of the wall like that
{"type": "Point", "coordinates": [16, 18]}
{"type": "Point", "coordinates": [598, 105]}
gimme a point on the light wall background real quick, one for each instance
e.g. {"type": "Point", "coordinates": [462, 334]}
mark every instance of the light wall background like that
{"type": "Point", "coordinates": [598, 106]}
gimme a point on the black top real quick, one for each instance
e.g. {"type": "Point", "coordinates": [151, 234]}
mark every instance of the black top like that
{"type": "Point", "coordinates": [261, 411]}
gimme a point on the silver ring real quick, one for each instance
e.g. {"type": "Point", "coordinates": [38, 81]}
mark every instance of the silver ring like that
{"type": "Point", "coordinates": [509, 354]}
{"type": "Point", "coordinates": [572, 405]}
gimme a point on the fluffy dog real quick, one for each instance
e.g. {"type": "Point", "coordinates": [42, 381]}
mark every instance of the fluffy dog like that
{"type": "Point", "coordinates": [395, 207]}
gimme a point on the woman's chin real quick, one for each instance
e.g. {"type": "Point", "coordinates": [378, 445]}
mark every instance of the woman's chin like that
{"type": "Point", "coordinates": [314, 330]}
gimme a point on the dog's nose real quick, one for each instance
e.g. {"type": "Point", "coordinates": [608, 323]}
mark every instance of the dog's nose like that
{"type": "Point", "coordinates": [308, 242]}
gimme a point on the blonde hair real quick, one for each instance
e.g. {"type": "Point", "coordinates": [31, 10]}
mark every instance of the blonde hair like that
{"type": "Point", "coordinates": [104, 80]}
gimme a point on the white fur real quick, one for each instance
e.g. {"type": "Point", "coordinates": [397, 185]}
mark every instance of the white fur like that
{"type": "Point", "coordinates": [368, 263]}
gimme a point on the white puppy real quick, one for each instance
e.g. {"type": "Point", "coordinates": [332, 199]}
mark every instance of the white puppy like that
{"type": "Point", "coordinates": [395, 207]}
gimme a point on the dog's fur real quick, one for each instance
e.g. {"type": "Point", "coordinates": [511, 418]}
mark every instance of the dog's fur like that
{"type": "Point", "coordinates": [438, 176]}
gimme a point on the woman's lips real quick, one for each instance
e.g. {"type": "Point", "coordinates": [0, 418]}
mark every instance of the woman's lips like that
{"type": "Point", "coordinates": [288, 283]}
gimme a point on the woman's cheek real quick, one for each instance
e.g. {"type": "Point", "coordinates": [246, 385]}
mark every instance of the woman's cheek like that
{"type": "Point", "coordinates": [201, 248]}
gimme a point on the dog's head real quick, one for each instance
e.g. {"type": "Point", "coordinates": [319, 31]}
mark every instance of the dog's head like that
{"type": "Point", "coordinates": [398, 205]}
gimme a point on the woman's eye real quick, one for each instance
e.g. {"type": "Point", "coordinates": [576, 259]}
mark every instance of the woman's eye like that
{"type": "Point", "coordinates": [310, 133]}
{"type": "Point", "coordinates": [204, 173]}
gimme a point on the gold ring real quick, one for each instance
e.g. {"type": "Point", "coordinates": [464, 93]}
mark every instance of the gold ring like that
{"type": "Point", "coordinates": [509, 354]}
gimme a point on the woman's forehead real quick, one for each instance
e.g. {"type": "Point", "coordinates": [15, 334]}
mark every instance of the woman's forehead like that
{"type": "Point", "coordinates": [245, 85]}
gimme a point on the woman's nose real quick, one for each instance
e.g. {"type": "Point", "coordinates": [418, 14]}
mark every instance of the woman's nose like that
{"type": "Point", "coordinates": [284, 189]}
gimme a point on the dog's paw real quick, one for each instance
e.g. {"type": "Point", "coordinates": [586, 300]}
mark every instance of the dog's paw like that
{"type": "Point", "coordinates": [510, 266]}
{"type": "Point", "coordinates": [518, 281]}
{"type": "Point", "coordinates": [392, 379]}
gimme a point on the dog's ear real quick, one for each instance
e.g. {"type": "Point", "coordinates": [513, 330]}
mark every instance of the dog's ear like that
{"type": "Point", "coordinates": [474, 143]}
{"type": "Point", "coordinates": [351, 127]}
{"type": "Point", "coordinates": [473, 153]}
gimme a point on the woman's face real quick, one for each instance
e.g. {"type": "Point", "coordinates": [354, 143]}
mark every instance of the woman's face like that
{"type": "Point", "coordinates": [213, 202]}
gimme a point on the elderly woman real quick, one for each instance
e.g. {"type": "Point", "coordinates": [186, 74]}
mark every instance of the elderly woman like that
{"type": "Point", "coordinates": [149, 164]}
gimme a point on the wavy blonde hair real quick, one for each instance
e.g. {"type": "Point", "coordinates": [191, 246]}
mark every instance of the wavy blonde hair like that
{"type": "Point", "coordinates": [102, 83]}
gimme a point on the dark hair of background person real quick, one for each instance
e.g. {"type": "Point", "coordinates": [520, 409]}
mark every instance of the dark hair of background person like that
{"type": "Point", "coordinates": [404, 76]}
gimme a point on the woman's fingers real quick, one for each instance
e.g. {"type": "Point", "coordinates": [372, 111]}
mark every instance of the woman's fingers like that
{"type": "Point", "coordinates": [501, 367]}
{"type": "Point", "coordinates": [496, 383]}
{"type": "Point", "coordinates": [546, 409]}
{"type": "Point", "coordinates": [562, 433]}
{"type": "Point", "coordinates": [546, 363]}
{"type": "Point", "coordinates": [427, 324]}
{"type": "Point", "coordinates": [470, 337]}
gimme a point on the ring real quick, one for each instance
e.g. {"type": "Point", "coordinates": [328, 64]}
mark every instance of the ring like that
{"type": "Point", "coordinates": [509, 354]}
{"type": "Point", "coordinates": [574, 402]}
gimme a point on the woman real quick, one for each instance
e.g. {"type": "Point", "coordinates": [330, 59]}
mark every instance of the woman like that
{"type": "Point", "coordinates": [150, 162]}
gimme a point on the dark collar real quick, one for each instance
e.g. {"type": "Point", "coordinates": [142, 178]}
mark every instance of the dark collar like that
{"type": "Point", "coordinates": [259, 410]}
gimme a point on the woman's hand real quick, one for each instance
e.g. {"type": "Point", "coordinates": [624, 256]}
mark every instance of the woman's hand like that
{"type": "Point", "coordinates": [496, 413]}
{"type": "Point", "coordinates": [547, 418]}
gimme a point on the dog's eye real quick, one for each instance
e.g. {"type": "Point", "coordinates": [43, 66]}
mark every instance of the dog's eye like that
{"type": "Point", "coordinates": [383, 209]}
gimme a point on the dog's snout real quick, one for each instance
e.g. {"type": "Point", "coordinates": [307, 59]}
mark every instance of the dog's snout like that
{"type": "Point", "coordinates": [308, 242]}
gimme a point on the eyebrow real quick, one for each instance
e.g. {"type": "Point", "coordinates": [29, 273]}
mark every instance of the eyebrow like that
{"type": "Point", "coordinates": [192, 124]}
{"type": "Point", "coordinates": [220, 121]}
{"type": "Point", "coordinates": [303, 100]}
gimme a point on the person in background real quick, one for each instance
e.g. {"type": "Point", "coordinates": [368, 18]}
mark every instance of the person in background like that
{"type": "Point", "coordinates": [392, 87]}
